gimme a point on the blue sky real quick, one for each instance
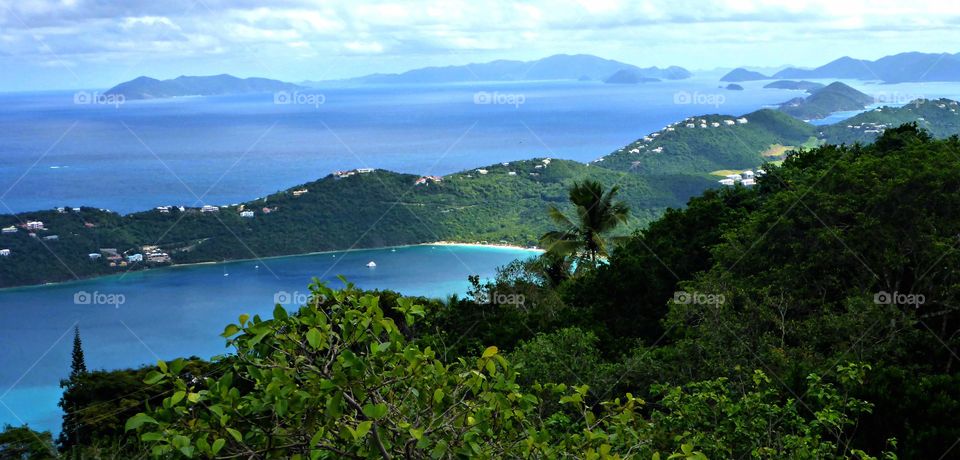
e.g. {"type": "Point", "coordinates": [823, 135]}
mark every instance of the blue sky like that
{"type": "Point", "coordinates": [66, 44]}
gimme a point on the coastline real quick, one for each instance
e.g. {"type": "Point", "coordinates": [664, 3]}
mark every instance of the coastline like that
{"type": "Point", "coordinates": [306, 254]}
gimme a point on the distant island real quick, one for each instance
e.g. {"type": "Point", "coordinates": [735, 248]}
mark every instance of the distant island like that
{"type": "Point", "coordinates": [582, 67]}
{"type": "Point", "coordinates": [500, 203]}
{"type": "Point", "coordinates": [734, 87]}
{"type": "Point", "coordinates": [834, 97]}
{"type": "Point", "coordinates": [808, 86]}
{"type": "Point", "coordinates": [740, 74]}
{"type": "Point", "coordinates": [214, 85]}
{"type": "Point", "coordinates": [629, 77]}
{"type": "Point", "coordinates": [899, 68]}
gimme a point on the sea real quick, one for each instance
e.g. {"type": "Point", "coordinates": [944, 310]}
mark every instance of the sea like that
{"type": "Point", "coordinates": [80, 148]}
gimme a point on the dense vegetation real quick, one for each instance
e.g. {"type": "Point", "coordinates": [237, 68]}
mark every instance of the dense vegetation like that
{"type": "Point", "coordinates": [375, 209]}
{"type": "Point", "coordinates": [811, 316]}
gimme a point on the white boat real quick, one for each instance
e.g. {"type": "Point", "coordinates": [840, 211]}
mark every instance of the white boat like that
{"type": "Point", "coordinates": [371, 264]}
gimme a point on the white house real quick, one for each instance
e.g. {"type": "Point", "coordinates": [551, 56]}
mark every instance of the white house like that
{"type": "Point", "coordinates": [512, 173]}
{"type": "Point", "coordinates": [135, 258]}
{"type": "Point", "coordinates": [34, 225]}
{"type": "Point", "coordinates": [748, 182]}
{"type": "Point", "coordinates": [715, 124]}
{"type": "Point", "coordinates": [482, 171]}
{"type": "Point", "coordinates": [94, 256]}
{"type": "Point", "coordinates": [208, 208]}
{"type": "Point", "coordinates": [729, 122]}
{"type": "Point", "coordinates": [4, 252]}
{"type": "Point", "coordinates": [691, 125]}
{"type": "Point", "coordinates": [657, 150]}
{"type": "Point", "coordinates": [10, 229]}
{"type": "Point", "coordinates": [741, 120]}
{"type": "Point", "coordinates": [734, 177]}
{"type": "Point", "coordinates": [246, 213]}
{"type": "Point", "coordinates": [364, 170]}
{"type": "Point", "coordinates": [727, 181]}
{"type": "Point", "coordinates": [747, 174]}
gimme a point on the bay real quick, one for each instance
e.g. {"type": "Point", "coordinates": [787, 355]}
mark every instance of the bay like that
{"type": "Point", "coordinates": [136, 319]}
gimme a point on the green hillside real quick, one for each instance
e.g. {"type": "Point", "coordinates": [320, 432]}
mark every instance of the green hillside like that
{"type": "Point", "coordinates": [941, 117]}
{"type": "Point", "coordinates": [374, 209]}
{"type": "Point", "coordinates": [700, 145]}
{"type": "Point", "coordinates": [835, 97]}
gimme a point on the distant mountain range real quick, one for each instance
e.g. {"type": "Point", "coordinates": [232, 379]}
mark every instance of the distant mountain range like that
{"type": "Point", "coordinates": [835, 97]}
{"type": "Point", "coordinates": [557, 67]}
{"type": "Point", "coordinates": [214, 85]}
{"type": "Point", "coordinates": [899, 68]}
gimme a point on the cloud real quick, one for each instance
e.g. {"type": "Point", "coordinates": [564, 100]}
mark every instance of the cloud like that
{"type": "Point", "coordinates": [290, 35]}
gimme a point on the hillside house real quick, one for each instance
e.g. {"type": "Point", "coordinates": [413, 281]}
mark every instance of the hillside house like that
{"type": "Point", "coordinates": [4, 252]}
{"type": "Point", "coordinates": [34, 225]}
{"type": "Point", "coordinates": [364, 170]}
{"type": "Point", "coordinates": [10, 229]}
{"type": "Point", "coordinates": [135, 258]}
{"type": "Point", "coordinates": [208, 208]}
{"type": "Point", "coordinates": [247, 214]}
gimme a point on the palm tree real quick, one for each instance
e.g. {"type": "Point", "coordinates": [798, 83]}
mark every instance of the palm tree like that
{"type": "Point", "coordinates": [596, 215]}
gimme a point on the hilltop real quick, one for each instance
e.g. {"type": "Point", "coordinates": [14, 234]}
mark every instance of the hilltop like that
{"type": "Point", "coordinates": [822, 102]}
{"type": "Point", "coordinates": [720, 144]}
{"type": "Point", "coordinates": [707, 143]}
{"type": "Point", "coordinates": [582, 67]}
{"type": "Point", "coordinates": [215, 85]}
{"type": "Point", "coordinates": [740, 74]}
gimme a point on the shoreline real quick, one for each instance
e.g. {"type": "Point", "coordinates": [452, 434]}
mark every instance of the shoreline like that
{"type": "Point", "coordinates": [306, 254]}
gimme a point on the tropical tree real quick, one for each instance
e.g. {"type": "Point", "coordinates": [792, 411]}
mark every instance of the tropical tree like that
{"type": "Point", "coordinates": [584, 236]}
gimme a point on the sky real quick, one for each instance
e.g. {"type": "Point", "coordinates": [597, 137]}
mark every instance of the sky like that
{"type": "Point", "coordinates": [70, 44]}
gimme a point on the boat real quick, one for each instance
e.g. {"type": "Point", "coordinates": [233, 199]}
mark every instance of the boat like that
{"type": "Point", "coordinates": [371, 264]}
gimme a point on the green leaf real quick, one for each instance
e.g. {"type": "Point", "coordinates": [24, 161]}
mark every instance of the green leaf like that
{"type": "Point", "coordinates": [489, 352]}
{"type": "Point", "coordinates": [217, 445]}
{"type": "Point", "coordinates": [279, 313]}
{"type": "Point", "coordinates": [417, 433]}
{"type": "Point", "coordinates": [153, 377]}
{"type": "Point", "coordinates": [177, 397]}
{"type": "Point", "coordinates": [138, 420]}
{"type": "Point", "coordinates": [362, 429]}
{"type": "Point", "coordinates": [236, 434]}
{"type": "Point", "coordinates": [230, 330]}
{"type": "Point", "coordinates": [375, 411]}
{"type": "Point", "coordinates": [243, 319]}
{"type": "Point", "coordinates": [437, 395]}
{"type": "Point", "coordinates": [314, 337]}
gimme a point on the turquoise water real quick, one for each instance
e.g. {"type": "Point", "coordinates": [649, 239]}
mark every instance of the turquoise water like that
{"type": "Point", "coordinates": [180, 311]}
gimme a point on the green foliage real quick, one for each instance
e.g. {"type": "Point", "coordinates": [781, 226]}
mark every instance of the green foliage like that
{"type": "Point", "coordinates": [339, 379]}
{"type": "Point", "coordinates": [22, 443]}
